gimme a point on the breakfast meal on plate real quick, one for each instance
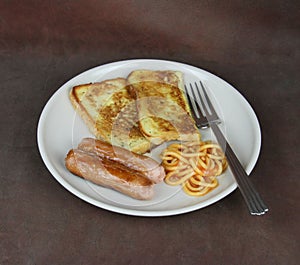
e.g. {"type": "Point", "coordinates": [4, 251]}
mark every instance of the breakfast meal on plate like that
{"type": "Point", "coordinates": [109, 112]}
{"type": "Point", "coordinates": [129, 116]}
{"type": "Point", "coordinates": [163, 110]}
{"type": "Point", "coordinates": [115, 168]}
{"type": "Point", "coordinates": [194, 166]}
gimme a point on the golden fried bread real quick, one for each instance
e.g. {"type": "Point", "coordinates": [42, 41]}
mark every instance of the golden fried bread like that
{"type": "Point", "coordinates": [162, 107]}
{"type": "Point", "coordinates": [109, 112]}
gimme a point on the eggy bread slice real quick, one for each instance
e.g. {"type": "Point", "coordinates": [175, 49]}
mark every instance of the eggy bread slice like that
{"type": "Point", "coordinates": [109, 112]}
{"type": "Point", "coordinates": [162, 107]}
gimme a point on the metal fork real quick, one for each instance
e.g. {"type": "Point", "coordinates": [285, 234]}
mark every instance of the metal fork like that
{"type": "Point", "coordinates": [252, 198]}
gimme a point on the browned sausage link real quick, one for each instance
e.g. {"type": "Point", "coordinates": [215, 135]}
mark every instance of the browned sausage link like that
{"type": "Point", "coordinates": [147, 166]}
{"type": "Point", "coordinates": [105, 173]}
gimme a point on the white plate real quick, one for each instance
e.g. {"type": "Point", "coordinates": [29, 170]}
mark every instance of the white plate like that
{"type": "Point", "coordinates": [60, 129]}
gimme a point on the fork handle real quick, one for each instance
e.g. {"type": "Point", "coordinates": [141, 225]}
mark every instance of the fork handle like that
{"type": "Point", "coordinates": [252, 198]}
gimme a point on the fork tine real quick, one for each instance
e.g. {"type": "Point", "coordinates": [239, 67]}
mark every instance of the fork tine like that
{"type": "Point", "coordinates": [196, 101]}
{"type": "Point", "coordinates": [199, 117]}
{"type": "Point", "coordinates": [201, 100]}
{"type": "Point", "coordinates": [210, 105]}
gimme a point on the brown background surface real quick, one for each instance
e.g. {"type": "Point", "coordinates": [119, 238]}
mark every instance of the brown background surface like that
{"type": "Point", "coordinates": [254, 45]}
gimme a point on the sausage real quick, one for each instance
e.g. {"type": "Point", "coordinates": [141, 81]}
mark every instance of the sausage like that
{"type": "Point", "coordinates": [146, 166]}
{"type": "Point", "coordinates": [102, 171]}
